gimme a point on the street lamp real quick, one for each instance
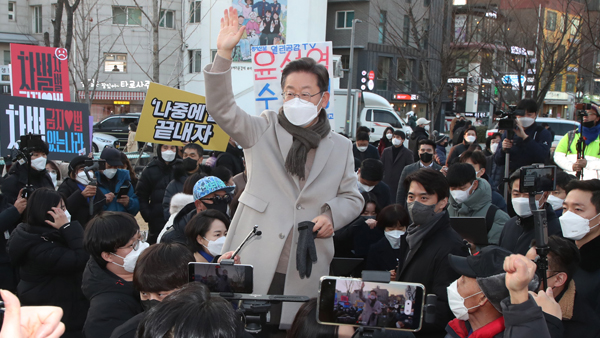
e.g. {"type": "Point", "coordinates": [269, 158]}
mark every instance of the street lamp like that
{"type": "Point", "coordinates": [350, 76]}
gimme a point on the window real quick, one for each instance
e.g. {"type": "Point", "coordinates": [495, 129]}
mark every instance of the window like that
{"type": "Point", "coordinates": [562, 128]}
{"type": "Point", "coordinates": [114, 63]}
{"type": "Point", "coordinates": [36, 19]}
{"type": "Point", "coordinates": [195, 61]}
{"type": "Point", "coordinates": [382, 24]}
{"type": "Point", "coordinates": [6, 57]}
{"type": "Point", "coordinates": [344, 19]}
{"type": "Point", "coordinates": [167, 19]}
{"type": "Point", "coordinates": [551, 21]}
{"type": "Point", "coordinates": [195, 11]}
{"type": "Point", "coordinates": [426, 3]}
{"type": "Point", "coordinates": [462, 67]}
{"type": "Point", "coordinates": [570, 84]}
{"type": "Point", "coordinates": [406, 30]}
{"type": "Point", "coordinates": [425, 38]}
{"type": "Point", "coordinates": [383, 72]}
{"type": "Point", "coordinates": [404, 73]}
{"type": "Point", "coordinates": [213, 54]}
{"type": "Point", "coordinates": [385, 116]}
{"type": "Point", "coordinates": [574, 26]}
{"type": "Point", "coordinates": [53, 8]}
{"type": "Point", "coordinates": [131, 16]}
{"type": "Point", "coordinates": [558, 83]}
{"type": "Point", "coordinates": [12, 8]}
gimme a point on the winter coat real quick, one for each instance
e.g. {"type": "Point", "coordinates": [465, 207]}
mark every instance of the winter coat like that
{"type": "Point", "coordinates": [231, 159]}
{"type": "Point", "coordinates": [565, 156]}
{"type": "Point", "coordinates": [440, 151]}
{"type": "Point", "coordinates": [412, 122]}
{"type": "Point", "coordinates": [9, 219]}
{"type": "Point", "coordinates": [383, 143]}
{"type": "Point", "coordinates": [418, 134]}
{"type": "Point", "coordinates": [383, 193]}
{"type": "Point", "coordinates": [113, 301]}
{"type": "Point", "coordinates": [578, 318]}
{"type": "Point", "coordinates": [355, 239]}
{"type": "Point", "coordinates": [401, 192]}
{"type": "Point", "coordinates": [429, 266]}
{"type": "Point", "coordinates": [174, 187]}
{"type": "Point", "coordinates": [534, 149]}
{"type": "Point", "coordinates": [477, 205]}
{"type": "Point", "coordinates": [587, 277]}
{"type": "Point", "coordinates": [371, 152]}
{"type": "Point", "coordinates": [382, 257]}
{"type": "Point", "coordinates": [178, 202]}
{"type": "Point", "coordinates": [393, 167]}
{"type": "Point", "coordinates": [51, 262]}
{"type": "Point", "coordinates": [107, 186]}
{"type": "Point", "coordinates": [455, 152]}
{"type": "Point", "coordinates": [519, 232]}
{"type": "Point", "coordinates": [129, 328]}
{"type": "Point", "coordinates": [17, 179]}
{"type": "Point", "coordinates": [151, 191]}
{"type": "Point", "coordinates": [77, 205]}
{"type": "Point", "coordinates": [176, 233]}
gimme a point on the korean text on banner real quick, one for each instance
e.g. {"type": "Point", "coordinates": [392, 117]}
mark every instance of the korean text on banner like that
{"type": "Point", "coordinates": [64, 125]}
{"type": "Point", "coordinates": [40, 72]}
{"type": "Point", "coordinates": [173, 116]}
{"type": "Point", "coordinates": [268, 63]}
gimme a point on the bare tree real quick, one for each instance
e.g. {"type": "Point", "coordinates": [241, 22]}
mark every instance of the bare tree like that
{"type": "Point", "coordinates": [70, 10]}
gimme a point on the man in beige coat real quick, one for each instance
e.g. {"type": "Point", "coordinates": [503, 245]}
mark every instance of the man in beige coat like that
{"type": "Point", "coordinates": [298, 170]}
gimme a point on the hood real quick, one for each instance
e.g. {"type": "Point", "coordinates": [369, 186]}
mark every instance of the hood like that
{"type": "Point", "coordinates": [97, 281]}
{"type": "Point", "coordinates": [25, 237]}
{"type": "Point", "coordinates": [481, 197]}
{"type": "Point", "coordinates": [179, 201]}
{"type": "Point", "coordinates": [159, 154]}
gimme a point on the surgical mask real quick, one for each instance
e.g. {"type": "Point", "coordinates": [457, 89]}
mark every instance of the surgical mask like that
{"type": "Point", "coordinates": [149, 303]}
{"type": "Point", "coordinates": [168, 155]}
{"type": "Point", "coordinates": [396, 142]}
{"type": "Point", "coordinates": [574, 226]}
{"type": "Point", "coordinates": [132, 257]}
{"type": "Point", "coordinates": [364, 187]}
{"type": "Point", "coordinates": [470, 138]}
{"type": "Point", "coordinates": [420, 213]}
{"type": "Point", "coordinates": [526, 121]}
{"type": "Point", "coordinates": [493, 147]}
{"type": "Point", "coordinates": [461, 195]}
{"type": "Point", "coordinates": [53, 177]}
{"type": "Point", "coordinates": [426, 157]}
{"type": "Point", "coordinates": [372, 297]}
{"type": "Point", "coordinates": [68, 216]}
{"type": "Point", "coordinates": [427, 127]}
{"type": "Point", "coordinates": [39, 163]}
{"type": "Point", "coordinates": [189, 164]}
{"type": "Point", "coordinates": [215, 247]}
{"type": "Point", "coordinates": [82, 178]}
{"type": "Point", "coordinates": [555, 202]}
{"type": "Point", "coordinates": [109, 173]}
{"type": "Point", "coordinates": [521, 206]}
{"type": "Point", "coordinates": [299, 113]}
{"type": "Point", "coordinates": [389, 136]}
{"type": "Point", "coordinates": [394, 238]}
{"type": "Point", "coordinates": [457, 302]}
{"type": "Point", "coordinates": [362, 149]}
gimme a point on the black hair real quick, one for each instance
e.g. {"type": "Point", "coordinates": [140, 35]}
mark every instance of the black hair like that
{"type": "Point", "coordinates": [221, 172]}
{"type": "Point", "coordinates": [427, 141]}
{"type": "Point", "coordinates": [529, 105]}
{"type": "Point", "coordinates": [592, 186]}
{"type": "Point", "coordinates": [191, 312]}
{"type": "Point", "coordinates": [469, 129]}
{"type": "Point", "coordinates": [307, 65]}
{"type": "Point", "coordinates": [545, 125]}
{"type": "Point", "coordinates": [159, 151]}
{"type": "Point", "coordinates": [468, 124]}
{"type": "Point", "coordinates": [133, 126]}
{"type": "Point", "coordinates": [55, 168]}
{"type": "Point", "coordinates": [305, 323]}
{"type": "Point", "coordinates": [370, 198]}
{"type": "Point", "coordinates": [476, 157]}
{"type": "Point", "coordinates": [460, 174]}
{"type": "Point", "coordinates": [391, 215]}
{"type": "Point", "coordinates": [200, 224]}
{"type": "Point", "coordinates": [400, 133]}
{"type": "Point", "coordinates": [107, 232]}
{"type": "Point", "coordinates": [371, 169]}
{"type": "Point", "coordinates": [363, 129]}
{"type": "Point", "coordinates": [511, 180]}
{"type": "Point", "coordinates": [362, 136]}
{"type": "Point", "coordinates": [162, 267]}
{"type": "Point", "coordinates": [564, 256]}
{"type": "Point", "coordinates": [39, 203]}
{"type": "Point", "coordinates": [488, 140]}
{"type": "Point", "coordinates": [195, 147]}
{"type": "Point", "coordinates": [385, 132]}
{"type": "Point", "coordinates": [190, 182]}
{"type": "Point", "coordinates": [563, 178]}
{"type": "Point", "coordinates": [74, 172]}
{"type": "Point", "coordinates": [433, 181]}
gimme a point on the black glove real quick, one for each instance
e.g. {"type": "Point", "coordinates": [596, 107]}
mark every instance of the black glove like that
{"type": "Point", "coordinates": [306, 252]}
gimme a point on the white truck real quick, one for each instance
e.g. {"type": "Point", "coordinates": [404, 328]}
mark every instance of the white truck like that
{"type": "Point", "coordinates": [367, 109]}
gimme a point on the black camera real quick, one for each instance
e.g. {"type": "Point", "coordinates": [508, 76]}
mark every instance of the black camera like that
{"type": "Point", "coordinates": [95, 165]}
{"type": "Point", "coordinates": [537, 178]}
{"type": "Point", "coordinates": [508, 119]}
{"type": "Point", "coordinates": [29, 142]}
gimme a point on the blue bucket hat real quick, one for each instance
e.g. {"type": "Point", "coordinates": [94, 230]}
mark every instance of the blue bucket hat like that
{"type": "Point", "coordinates": [208, 185]}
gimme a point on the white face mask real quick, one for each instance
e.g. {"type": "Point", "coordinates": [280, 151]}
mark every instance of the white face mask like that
{"type": "Point", "coordinates": [300, 114]}
{"type": "Point", "coordinates": [457, 302]}
{"type": "Point", "coordinates": [526, 121]}
{"type": "Point", "coordinates": [493, 147]}
{"type": "Point", "coordinates": [470, 138]}
{"type": "Point", "coordinates": [68, 216]}
{"type": "Point", "coordinates": [215, 247]}
{"type": "Point", "coordinates": [53, 176]}
{"type": "Point", "coordinates": [389, 136]}
{"type": "Point", "coordinates": [110, 173]}
{"type": "Point", "coordinates": [362, 149]}
{"type": "Point", "coordinates": [394, 238]}
{"type": "Point", "coordinates": [555, 202]}
{"type": "Point", "coordinates": [82, 178]}
{"type": "Point", "coordinates": [364, 187]}
{"type": "Point", "coordinates": [427, 127]}
{"type": "Point", "coordinates": [396, 142]}
{"type": "Point", "coordinates": [574, 226]}
{"type": "Point", "coordinates": [521, 206]}
{"type": "Point", "coordinates": [39, 163]}
{"type": "Point", "coordinates": [461, 195]}
{"type": "Point", "coordinates": [132, 257]}
{"type": "Point", "coordinates": [168, 155]}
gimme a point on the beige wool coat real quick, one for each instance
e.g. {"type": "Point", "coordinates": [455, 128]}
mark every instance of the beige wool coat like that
{"type": "Point", "coordinates": [273, 199]}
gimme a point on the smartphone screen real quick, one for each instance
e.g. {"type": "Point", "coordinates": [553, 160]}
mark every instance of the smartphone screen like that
{"type": "Point", "coordinates": [537, 180]}
{"type": "Point", "coordinates": [349, 301]}
{"type": "Point", "coordinates": [236, 278]}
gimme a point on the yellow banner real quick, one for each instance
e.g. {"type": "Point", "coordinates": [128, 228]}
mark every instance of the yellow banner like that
{"type": "Point", "coordinates": [173, 116]}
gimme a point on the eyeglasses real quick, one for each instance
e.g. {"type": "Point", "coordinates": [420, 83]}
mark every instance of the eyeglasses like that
{"type": "Point", "coordinates": [142, 236]}
{"type": "Point", "coordinates": [304, 97]}
{"type": "Point", "coordinates": [219, 199]}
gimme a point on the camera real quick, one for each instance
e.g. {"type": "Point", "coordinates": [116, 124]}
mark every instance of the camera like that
{"type": "Point", "coordinates": [537, 178]}
{"type": "Point", "coordinates": [95, 165]}
{"type": "Point", "coordinates": [508, 118]}
{"type": "Point", "coordinates": [29, 142]}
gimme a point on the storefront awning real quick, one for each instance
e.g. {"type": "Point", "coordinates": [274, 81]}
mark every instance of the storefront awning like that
{"type": "Point", "coordinates": [25, 39]}
{"type": "Point", "coordinates": [116, 96]}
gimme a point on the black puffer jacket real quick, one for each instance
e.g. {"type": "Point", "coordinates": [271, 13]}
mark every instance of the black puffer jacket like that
{"type": "Point", "coordinates": [231, 159]}
{"type": "Point", "coordinates": [77, 205]}
{"type": "Point", "coordinates": [9, 219]}
{"type": "Point", "coordinates": [51, 262]}
{"type": "Point", "coordinates": [150, 191]}
{"type": "Point", "coordinates": [17, 179]}
{"type": "Point", "coordinates": [518, 232]}
{"type": "Point", "coordinates": [177, 232]}
{"type": "Point", "coordinates": [113, 301]}
{"type": "Point", "coordinates": [418, 134]}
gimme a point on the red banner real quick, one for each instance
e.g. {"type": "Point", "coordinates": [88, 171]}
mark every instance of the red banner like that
{"type": "Point", "coordinates": [40, 72]}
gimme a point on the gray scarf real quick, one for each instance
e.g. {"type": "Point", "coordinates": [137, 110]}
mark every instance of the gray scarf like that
{"type": "Point", "coordinates": [416, 233]}
{"type": "Point", "coordinates": [305, 139]}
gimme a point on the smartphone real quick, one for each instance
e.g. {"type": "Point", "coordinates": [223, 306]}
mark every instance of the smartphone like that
{"type": "Point", "coordinates": [537, 178]}
{"type": "Point", "coordinates": [237, 278]}
{"type": "Point", "coordinates": [123, 191]}
{"type": "Point", "coordinates": [394, 305]}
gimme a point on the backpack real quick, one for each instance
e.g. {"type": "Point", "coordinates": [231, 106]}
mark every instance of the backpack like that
{"type": "Point", "coordinates": [490, 215]}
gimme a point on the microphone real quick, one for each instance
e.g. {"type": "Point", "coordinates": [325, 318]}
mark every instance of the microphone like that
{"type": "Point", "coordinates": [253, 232]}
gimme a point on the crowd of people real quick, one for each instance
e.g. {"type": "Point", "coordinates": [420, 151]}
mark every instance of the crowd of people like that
{"type": "Point", "coordinates": [74, 249]}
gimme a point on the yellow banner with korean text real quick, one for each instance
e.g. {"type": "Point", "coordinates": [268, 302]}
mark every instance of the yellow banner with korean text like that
{"type": "Point", "coordinates": [175, 117]}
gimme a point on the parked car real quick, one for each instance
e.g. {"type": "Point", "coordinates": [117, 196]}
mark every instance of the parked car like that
{"type": "Point", "coordinates": [117, 126]}
{"type": "Point", "coordinates": [560, 127]}
{"type": "Point", "coordinates": [101, 140]}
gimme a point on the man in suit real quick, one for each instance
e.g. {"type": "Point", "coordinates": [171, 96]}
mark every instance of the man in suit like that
{"type": "Point", "coordinates": [426, 151]}
{"type": "Point", "coordinates": [395, 159]}
{"type": "Point", "coordinates": [294, 174]}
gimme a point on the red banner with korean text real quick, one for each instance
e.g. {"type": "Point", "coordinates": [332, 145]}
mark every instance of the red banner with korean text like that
{"type": "Point", "coordinates": [40, 72]}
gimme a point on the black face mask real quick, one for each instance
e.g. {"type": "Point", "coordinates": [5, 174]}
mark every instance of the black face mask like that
{"type": "Point", "coordinates": [189, 164]}
{"type": "Point", "coordinates": [589, 124]}
{"type": "Point", "coordinates": [426, 157]}
{"type": "Point", "coordinates": [149, 303]}
{"type": "Point", "coordinates": [219, 203]}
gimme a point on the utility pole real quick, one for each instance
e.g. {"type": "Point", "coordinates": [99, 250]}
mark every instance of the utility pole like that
{"type": "Point", "coordinates": [350, 76]}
